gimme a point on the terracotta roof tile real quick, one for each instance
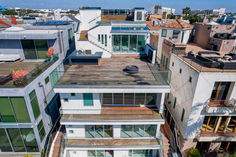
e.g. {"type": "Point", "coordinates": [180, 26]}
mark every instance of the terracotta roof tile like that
{"type": "Point", "coordinates": [176, 24]}
{"type": "Point", "coordinates": [150, 26]}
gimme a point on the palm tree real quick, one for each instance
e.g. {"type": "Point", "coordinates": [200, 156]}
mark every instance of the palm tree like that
{"type": "Point", "coordinates": [157, 7]}
{"type": "Point", "coordinates": [186, 11]}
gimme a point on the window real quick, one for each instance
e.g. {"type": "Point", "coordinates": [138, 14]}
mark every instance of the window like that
{"type": "Point", "coordinates": [88, 99]}
{"type": "Point", "coordinates": [175, 34]}
{"type": "Point", "coordinates": [174, 103]}
{"type": "Point", "coordinates": [140, 153]}
{"type": "Point", "coordinates": [13, 109]}
{"type": "Point", "coordinates": [98, 131]}
{"type": "Point", "coordinates": [30, 144]}
{"type": "Point", "coordinates": [125, 43]}
{"type": "Point", "coordinates": [35, 49]}
{"type": "Point", "coordinates": [162, 58]}
{"type": "Point", "coordinates": [6, 112]}
{"type": "Point", "coordinates": [107, 98]}
{"type": "Point", "coordinates": [180, 70]}
{"type": "Point", "coordinates": [72, 94]}
{"type": "Point", "coordinates": [46, 80]}
{"type": "Point", "coordinates": [42, 48]}
{"type": "Point", "coordinates": [102, 39]}
{"type": "Point", "coordinates": [22, 140]}
{"type": "Point", "coordinates": [16, 140]}
{"type": "Point", "coordinates": [173, 64]}
{"type": "Point", "coordinates": [105, 40]}
{"type": "Point", "coordinates": [54, 78]}
{"type": "Point", "coordinates": [99, 37]}
{"type": "Point", "coordinates": [128, 131]}
{"type": "Point", "coordinates": [128, 43]}
{"type": "Point", "coordinates": [100, 153]}
{"type": "Point", "coordinates": [129, 98]}
{"type": "Point", "coordinates": [65, 99]}
{"type": "Point", "coordinates": [182, 117]}
{"type": "Point", "coordinates": [209, 123]}
{"type": "Point", "coordinates": [133, 43]}
{"type": "Point", "coordinates": [71, 131]}
{"type": "Point", "coordinates": [41, 130]}
{"type": "Point", "coordinates": [190, 79]}
{"type": "Point", "coordinates": [70, 36]}
{"type": "Point", "coordinates": [163, 32]}
{"type": "Point", "coordinates": [4, 143]}
{"type": "Point", "coordinates": [34, 104]}
{"type": "Point", "coordinates": [139, 15]}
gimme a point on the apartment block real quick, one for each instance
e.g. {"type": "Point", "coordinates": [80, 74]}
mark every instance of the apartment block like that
{"type": "Point", "coordinates": [112, 92]}
{"type": "Point", "coordinates": [28, 105]}
{"type": "Point", "coordinates": [200, 108]}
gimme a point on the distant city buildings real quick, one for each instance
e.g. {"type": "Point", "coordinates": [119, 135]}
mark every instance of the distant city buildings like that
{"type": "Point", "coordinates": [161, 10]}
{"type": "Point", "coordinates": [217, 12]}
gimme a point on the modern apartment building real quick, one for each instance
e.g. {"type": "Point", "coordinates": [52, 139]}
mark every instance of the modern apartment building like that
{"type": "Point", "coordinates": [155, 10]}
{"type": "Point", "coordinates": [112, 96]}
{"type": "Point", "coordinates": [217, 12]}
{"type": "Point", "coordinates": [200, 108]}
{"type": "Point", "coordinates": [28, 105]}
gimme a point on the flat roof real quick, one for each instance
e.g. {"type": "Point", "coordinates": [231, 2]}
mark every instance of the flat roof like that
{"type": "Point", "coordinates": [115, 114]}
{"type": "Point", "coordinates": [110, 72]}
{"type": "Point", "coordinates": [195, 49]}
{"type": "Point", "coordinates": [6, 67]}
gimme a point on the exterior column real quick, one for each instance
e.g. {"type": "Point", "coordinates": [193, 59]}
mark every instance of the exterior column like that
{"type": "Point", "coordinates": [161, 107]}
{"type": "Point", "coordinates": [158, 131]}
{"type": "Point", "coordinates": [217, 125]}
{"type": "Point", "coordinates": [227, 123]}
{"type": "Point", "coordinates": [116, 131]}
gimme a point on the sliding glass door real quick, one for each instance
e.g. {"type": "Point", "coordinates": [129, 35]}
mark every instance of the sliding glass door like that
{"type": "Point", "coordinates": [128, 43]}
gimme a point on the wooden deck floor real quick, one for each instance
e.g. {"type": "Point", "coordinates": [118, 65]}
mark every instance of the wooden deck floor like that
{"type": "Point", "coordinates": [111, 142]}
{"type": "Point", "coordinates": [116, 113]}
{"type": "Point", "coordinates": [110, 72]}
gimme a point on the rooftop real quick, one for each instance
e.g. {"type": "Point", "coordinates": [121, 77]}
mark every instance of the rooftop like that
{"type": "Point", "coordinates": [110, 72]}
{"type": "Point", "coordinates": [34, 69]}
{"type": "Point", "coordinates": [150, 26]}
{"type": "Point", "coordinates": [115, 114]}
{"type": "Point", "coordinates": [176, 24]}
{"type": "Point", "coordinates": [207, 61]}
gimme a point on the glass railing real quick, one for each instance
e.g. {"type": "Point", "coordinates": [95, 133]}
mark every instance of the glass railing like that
{"type": "Point", "coordinates": [27, 79]}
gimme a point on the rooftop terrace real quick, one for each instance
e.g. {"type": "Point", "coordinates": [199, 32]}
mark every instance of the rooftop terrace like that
{"type": "Point", "coordinates": [34, 69]}
{"type": "Point", "coordinates": [110, 72]}
{"type": "Point", "coordinates": [205, 60]}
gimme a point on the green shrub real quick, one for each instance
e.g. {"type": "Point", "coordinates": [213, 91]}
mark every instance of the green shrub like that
{"type": "Point", "coordinates": [193, 152]}
{"type": "Point", "coordinates": [234, 154]}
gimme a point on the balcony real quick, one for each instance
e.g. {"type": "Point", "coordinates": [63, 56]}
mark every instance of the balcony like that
{"type": "Point", "coordinates": [221, 106]}
{"type": "Point", "coordinates": [34, 69]}
{"type": "Point", "coordinates": [217, 136]}
{"type": "Point", "coordinates": [110, 115]}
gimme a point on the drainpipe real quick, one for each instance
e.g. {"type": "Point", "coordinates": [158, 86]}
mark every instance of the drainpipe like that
{"type": "Point", "coordinates": [44, 94]}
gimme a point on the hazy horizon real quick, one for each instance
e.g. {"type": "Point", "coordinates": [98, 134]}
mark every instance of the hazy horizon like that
{"type": "Point", "coordinates": [147, 4]}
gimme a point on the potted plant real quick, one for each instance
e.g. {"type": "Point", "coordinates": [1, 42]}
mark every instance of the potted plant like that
{"type": "Point", "coordinates": [51, 52]}
{"type": "Point", "coordinates": [19, 76]}
{"type": "Point", "coordinates": [193, 152]}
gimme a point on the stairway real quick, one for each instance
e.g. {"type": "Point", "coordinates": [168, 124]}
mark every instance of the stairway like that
{"type": "Point", "coordinates": [58, 143]}
{"type": "Point", "coordinates": [99, 46]}
{"type": "Point", "coordinates": [167, 139]}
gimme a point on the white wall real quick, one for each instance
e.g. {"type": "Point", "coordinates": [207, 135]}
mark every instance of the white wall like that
{"type": "Point", "coordinates": [86, 16]}
{"type": "Point", "coordinates": [75, 104]}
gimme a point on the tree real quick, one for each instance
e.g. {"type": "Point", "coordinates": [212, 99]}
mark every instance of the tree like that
{"type": "Point", "coordinates": [193, 152]}
{"type": "Point", "coordinates": [186, 11]}
{"type": "Point", "coordinates": [157, 7]}
{"type": "Point", "coordinates": [171, 16]}
{"type": "Point", "coordinates": [9, 12]}
{"type": "Point", "coordinates": [72, 12]}
{"type": "Point", "coordinates": [193, 18]}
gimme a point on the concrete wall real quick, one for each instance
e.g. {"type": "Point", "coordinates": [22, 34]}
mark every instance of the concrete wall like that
{"type": "Point", "coordinates": [223, 46]}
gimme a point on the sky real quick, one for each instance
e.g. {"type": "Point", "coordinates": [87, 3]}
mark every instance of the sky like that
{"type": "Point", "coordinates": [230, 5]}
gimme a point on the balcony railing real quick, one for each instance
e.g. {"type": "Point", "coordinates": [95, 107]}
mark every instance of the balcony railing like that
{"type": "Point", "coordinates": [221, 106]}
{"type": "Point", "coordinates": [27, 79]}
